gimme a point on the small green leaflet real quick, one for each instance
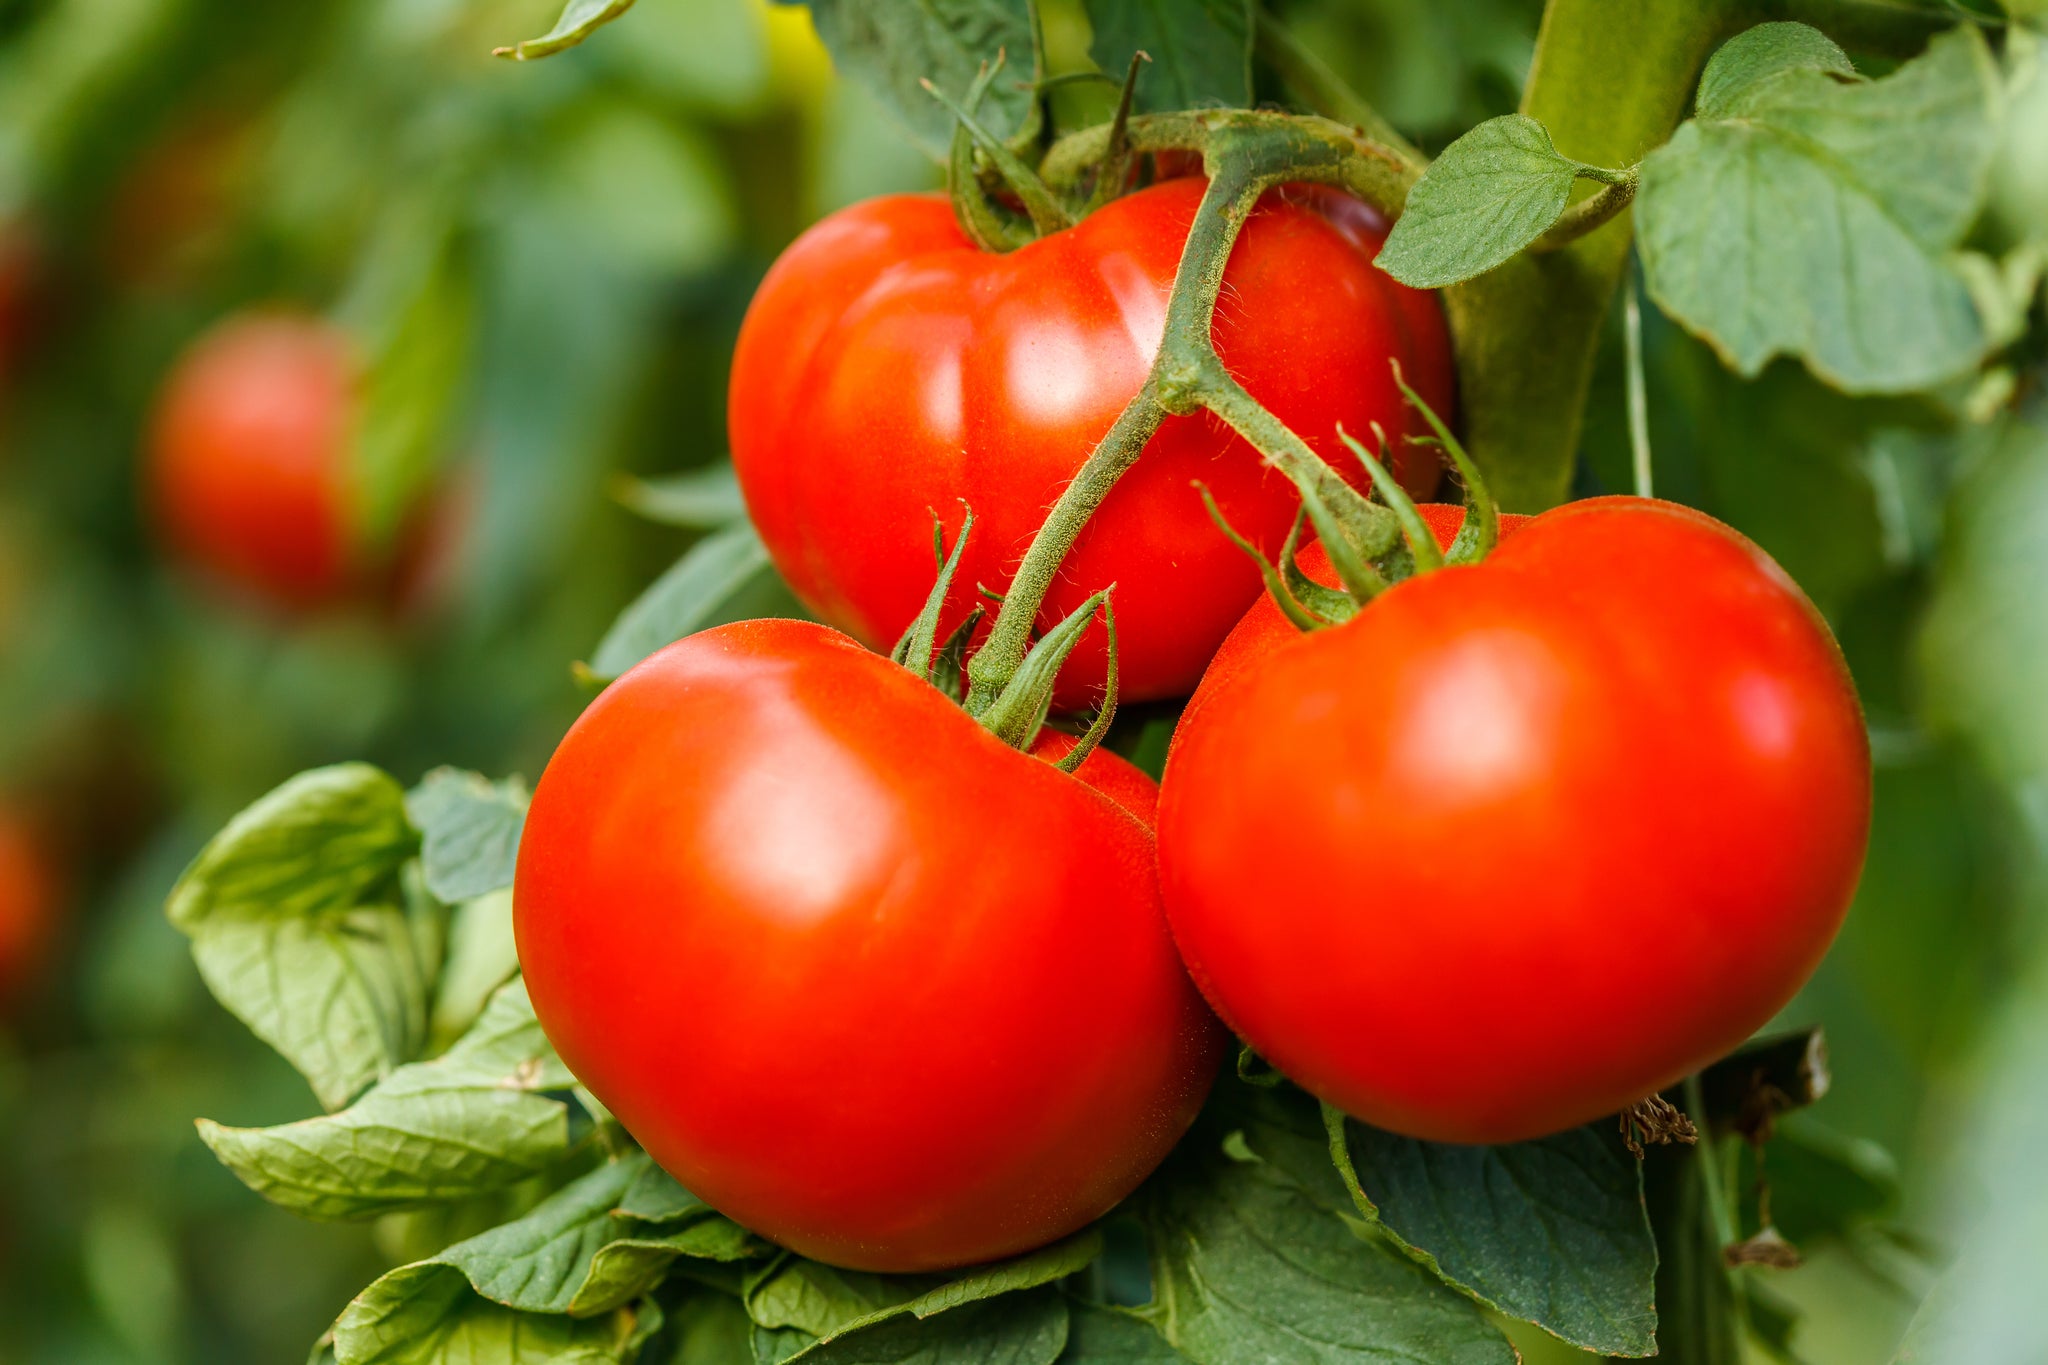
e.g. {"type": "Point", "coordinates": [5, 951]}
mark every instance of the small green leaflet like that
{"type": "Point", "coordinates": [1114, 1336]}
{"type": "Point", "coordinates": [481, 957]}
{"type": "Point", "coordinates": [471, 1122]}
{"type": "Point", "coordinates": [1492, 192]}
{"type": "Point", "coordinates": [700, 499]}
{"type": "Point", "coordinates": [449, 1325]}
{"type": "Point", "coordinates": [1552, 1231]}
{"type": "Point", "coordinates": [1245, 1268]}
{"type": "Point", "coordinates": [656, 1197]}
{"type": "Point", "coordinates": [580, 19]}
{"type": "Point", "coordinates": [724, 577]}
{"type": "Point", "coordinates": [1803, 213]}
{"type": "Point", "coordinates": [469, 829]}
{"type": "Point", "coordinates": [303, 927]}
{"type": "Point", "coordinates": [1017, 1329]}
{"type": "Point", "coordinates": [890, 46]}
{"type": "Point", "coordinates": [564, 1257]}
{"type": "Point", "coordinates": [1201, 50]}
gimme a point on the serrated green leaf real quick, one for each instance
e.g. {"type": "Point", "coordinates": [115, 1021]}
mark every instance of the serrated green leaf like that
{"type": "Point", "coordinates": [1018, 1329]}
{"type": "Point", "coordinates": [1492, 192]}
{"type": "Point", "coordinates": [580, 19]}
{"type": "Point", "coordinates": [633, 1264]}
{"type": "Point", "coordinates": [701, 499]}
{"type": "Point", "coordinates": [303, 928]}
{"type": "Point", "coordinates": [1824, 221]}
{"type": "Point", "coordinates": [724, 577]}
{"type": "Point", "coordinates": [1114, 1336]}
{"type": "Point", "coordinates": [889, 47]}
{"type": "Point", "coordinates": [475, 1120]}
{"type": "Point", "coordinates": [469, 829]}
{"type": "Point", "coordinates": [820, 1300]}
{"type": "Point", "coordinates": [1201, 50]}
{"type": "Point", "coordinates": [1744, 66]}
{"type": "Point", "coordinates": [1245, 1267]}
{"type": "Point", "coordinates": [1029, 1271]}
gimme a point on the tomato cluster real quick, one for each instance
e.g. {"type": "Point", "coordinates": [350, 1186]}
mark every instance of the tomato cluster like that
{"type": "Point", "coordinates": [1516, 845]}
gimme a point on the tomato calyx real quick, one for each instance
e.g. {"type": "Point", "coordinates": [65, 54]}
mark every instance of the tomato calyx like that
{"type": "Point", "coordinates": [1019, 711]}
{"type": "Point", "coordinates": [1353, 526]}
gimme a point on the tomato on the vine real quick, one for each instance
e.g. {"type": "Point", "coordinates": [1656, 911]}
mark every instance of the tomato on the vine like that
{"type": "Point", "coordinates": [864, 978]}
{"type": "Point", "coordinates": [248, 457]}
{"type": "Point", "coordinates": [1523, 842]}
{"type": "Point", "coordinates": [889, 370]}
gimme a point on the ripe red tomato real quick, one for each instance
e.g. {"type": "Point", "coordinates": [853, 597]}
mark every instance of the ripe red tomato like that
{"type": "Point", "coordinates": [888, 369]}
{"type": "Point", "coordinates": [870, 982]}
{"type": "Point", "coordinates": [249, 453]}
{"type": "Point", "coordinates": [1525, 842]}
{"type": "Point", "coordinates": [28, 904]}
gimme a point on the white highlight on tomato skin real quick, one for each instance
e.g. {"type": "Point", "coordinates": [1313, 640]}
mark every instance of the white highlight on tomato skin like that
{"type": "Point", "coordinates": [1766, 714]}
{"type": "Point", "coordinates": [793, 835]}
{"type": "Point", "coordinates": [1478, 721]}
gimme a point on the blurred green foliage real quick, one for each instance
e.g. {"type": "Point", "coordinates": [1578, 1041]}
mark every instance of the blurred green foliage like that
{"type": "Point", "coordinates": [544, 266]}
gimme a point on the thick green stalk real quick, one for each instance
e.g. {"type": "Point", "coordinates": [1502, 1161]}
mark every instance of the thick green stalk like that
{"type": "Point", "coordinates": [1611, 80]}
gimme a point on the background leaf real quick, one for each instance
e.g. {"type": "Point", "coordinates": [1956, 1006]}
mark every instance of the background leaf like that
{"type": "Point", "coordinates": [1491, 193]}
{"type": "Point", "coordinates": [301, 926]}
{"type": "Point", "coordinates": [1018, 1329]}
{"type": "Point", "coordinates": [1822, 221]}
{"type": "Point", "coordinates": [700, 499]}
{"type": "Point", "coordinates": [725, 577]}
{"type": "Point", "coordinates": [1114, 1336]}
{"type": "Point", "coordinates": [1201, 50]}
{"type": "Point", "coordinates": [476, 1120]}
{"type": "Point", "coordinates": [889, 47]}
{"type": "Point", "coordinates": [469, 829]}
{"type": "Point", "coordinates": [580, 19]}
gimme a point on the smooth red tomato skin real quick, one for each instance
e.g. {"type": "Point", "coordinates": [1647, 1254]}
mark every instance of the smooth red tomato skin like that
{"type": "Point", "coordinates": [1525, 842]}
{"type": "Point", "coordinates": [869, 982]}
{"type": "Point", "coordinates": [888, 370]}
{"type": "Point", "coordinates": [248, 457]}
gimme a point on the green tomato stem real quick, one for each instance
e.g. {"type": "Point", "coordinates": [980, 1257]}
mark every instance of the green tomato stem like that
{"type": "Point", "coordinates": [1611, 80]}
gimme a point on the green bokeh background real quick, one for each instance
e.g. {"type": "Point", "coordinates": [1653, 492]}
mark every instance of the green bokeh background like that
{"type": "Point", "coordinates": [572, 243]}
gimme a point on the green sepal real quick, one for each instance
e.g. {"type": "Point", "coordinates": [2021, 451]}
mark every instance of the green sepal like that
{"type": "Point", "coordinates": [979, 216]}
{"type": "Point", "coordinates": [914, 650]}
{"type": "Point", "coordinates": [1047, 213]}
{"type": "Point", "coordinates": [1116, 162]}
{"type": "Point", "coordinates": [949, 667]}
{"type": "Point", "coordinates": [1481, 532]}
{"type": "Point", "coordinates": [1332, 605]}
{"type": "Point", "coordinates": [1423, 550]}
{"type": "Point", "coordinates": [1277, 585]}
{"type": "Point", "coordinates": [1106, 713]}
{"type": "Point", "coordinates": [1020, 709]}
{"type": "Point", "coordinates": [1358, 576]}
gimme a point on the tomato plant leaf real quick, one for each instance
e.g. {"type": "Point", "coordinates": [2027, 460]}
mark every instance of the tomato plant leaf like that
{"type": "Point", "coordinates": [1801, 214]}
{"type": "Point", "coordinates": [1040, 1267]}
{"type": "Point", "coordinates": [481, 957]}
{"type": "Point", "coordinates": [655, 1196]}
{"type": "Point", "coordinates": [1742, 69]}
{"type": "Point", "coordinates": [1552, 1231]}
{"type": "Point", "coordinates": [891, 47]}
{"type": "Point", "coordinates": [1246, 1267]}
{"type": "Point", "coordinates": [1018, 1329]}
{"type": "Point", "coordinates": [628, 1266]}
{"type": "Point", "coordinates": [580, 19]}
{"type": "Point", "coordinates": [725, 577]}
{"type": "Point", "coordinates": [1114, 1336]}
{"type": "Point", "coordinates": [701, 499]}
{"type": "Point", "coordinates": [477, 1119]}
{"type": "Point", "coordinates": [1201, 50]}
{"type": "Point", "coordinates": [469, 829]}
{"type": "Point", "coordinates": [447, 1324]}
{"type": "Point", "coordinates": [303, 927]}
{"type": "Point", "coordinates": [1491, 193]}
